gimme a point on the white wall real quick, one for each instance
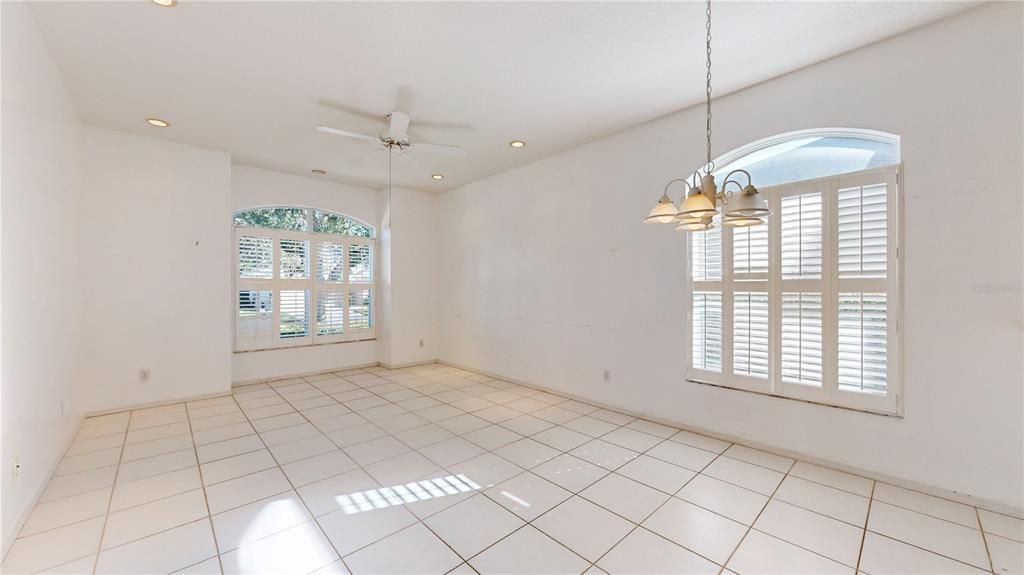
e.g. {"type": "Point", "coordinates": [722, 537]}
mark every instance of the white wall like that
{"type": "Point", "coordinates": [42, 311]}
{"type": "Point", "coordinates": [253, 187]}
{"type": "Point", "coordinates": [408, 300]}
{"type": "Point", "coordinates": [157, 242]}
{"type": "Point", "coordinates": [549, 277]}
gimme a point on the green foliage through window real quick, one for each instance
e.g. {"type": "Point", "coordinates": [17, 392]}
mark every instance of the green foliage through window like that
{"type": "Point", "coordinates": [298, 219]}
{"type": "Point", "coordinates": [331, 223]}
{"type": "Point", "coordinates": [276, 218]}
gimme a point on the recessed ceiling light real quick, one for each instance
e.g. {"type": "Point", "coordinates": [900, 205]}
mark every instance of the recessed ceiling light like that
{"type": "Point", "coordinates": [166, 3]}
{"type": "Point", "coordinates": [157, 122]}
{"type": "Point", "coordinates": [438, 176]}
{"type": "Point", "coordinates": [320, 172]}
{"type": "Point", "coordinates": [517, 143]}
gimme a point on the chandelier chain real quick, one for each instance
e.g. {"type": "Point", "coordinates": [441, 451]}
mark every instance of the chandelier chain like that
{"type": "Point", "coordinates": [710, 164]}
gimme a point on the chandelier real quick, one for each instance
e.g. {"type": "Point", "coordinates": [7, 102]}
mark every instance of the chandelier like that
{"type": "Point", "coordinates": [702, 199]}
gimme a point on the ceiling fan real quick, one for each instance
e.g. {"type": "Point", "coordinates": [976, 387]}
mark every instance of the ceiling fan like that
{"type": "Point", "coordinates": [396, 136]}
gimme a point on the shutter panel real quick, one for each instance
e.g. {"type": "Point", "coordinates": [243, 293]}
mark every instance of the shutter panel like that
{"type": "Point", "coordinates": [707, 331]}
{"type": "Point", "coordinates": [294, 307]}
{"type": "Point", "coordinates": [255, 318]}
{"type": "Point", "coordinates": [360, 263]}
{"type": "Point", "coordinates": [750, 334]}
{"type": "Point", "coordinates": [863, 342]}
{"type": "Point", "coordinates": [706, 249]}
{"type": "Point", "coordinates": [330, 262]}
{"type": "Point", "coordinates": [294, 259]}
{"type": "Point", "coordinates": [750, 250]}
{"type": "Point", "coordinates": [801, 236]}
{"type": "Point", "coordinates": [255, 257]}
{"type": "Point", "coordinates": [360, 309]}
{"type": "Point", "coordinates": [862, 231]}
{"type": "Point", "coordinates": [330, 313]}
{"type": "Point", "coordinates": [801, 344]}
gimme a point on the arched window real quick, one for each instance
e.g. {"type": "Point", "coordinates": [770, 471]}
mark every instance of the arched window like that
{"type": "Point", "coordinates": [807, 305]}
{"type": "Point", "coordinates": [304, 276]}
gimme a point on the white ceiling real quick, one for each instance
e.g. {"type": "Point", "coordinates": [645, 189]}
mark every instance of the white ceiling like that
{"type": "Point", "coordinates": [254, 79]}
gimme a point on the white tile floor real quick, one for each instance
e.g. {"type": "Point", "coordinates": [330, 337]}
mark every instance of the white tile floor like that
{"type": "Point", "coordinates": [434, 470]}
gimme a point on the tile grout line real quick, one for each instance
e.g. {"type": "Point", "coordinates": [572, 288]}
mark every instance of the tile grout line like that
{"type": "Point", "coordinates": [202, 484]}
{"type": "Point", "coordinates": [110, 501]}
{"type": "Point", "coordinates": [759, 513]}
{"type": "Point", "coordinates": [984, 541]}
{"type": "Point", "coordinates": [864, 533]}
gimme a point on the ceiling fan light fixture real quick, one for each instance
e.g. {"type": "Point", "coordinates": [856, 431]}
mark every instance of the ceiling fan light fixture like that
{"type": "Point", "coordinates": [166, 3]}
{"type": "Point", "coordinates": [663, 212]}
{"type": "Point", "coordinates": [437, 176]}
{"type": "Point", "coordinates": [517, 143]}
{"type": "Point", "coordinates": [157, 122]}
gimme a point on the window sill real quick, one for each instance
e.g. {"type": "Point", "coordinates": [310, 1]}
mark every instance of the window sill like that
{"type": "Point", "coordinates": [287, 347]}
{"type": "Point", "coordinates": [818, 403]}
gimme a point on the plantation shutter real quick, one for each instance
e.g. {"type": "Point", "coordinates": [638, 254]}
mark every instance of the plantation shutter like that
{"type": "Point", "coordinates": [301, 288]}
{"type": "Point", "coordinates": [865, 210]}
{"type": "Point", "coordinates": [706, 310]}
{"type": "Point", "coordinates": [805, 305]}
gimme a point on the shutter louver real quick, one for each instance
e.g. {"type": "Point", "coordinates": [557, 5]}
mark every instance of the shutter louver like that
{"type": "Point", "coordinates": [360, 309]}
{"type": "Point", "coordinates": [801, 344]}
{"type": "Point", "coordinates": [863, 342]}
{"type": "Point", "coordinates": [750, 250]}
{"type": "Point", "coordinates": [360, 263]}
{"type": "Point", "coordinates": [707, 331]}
{"type": "Point", "coordinates": [862, 231]}
{"type": "Point", "coordinates": [294, 308]}
{"type": "Point", "coordinates": [706, 249]}
{"type": "Point", "coordinates": [330, 262]}
{"type": "Point", "coordinates": [294, 259]}
{"type": "Point", "coordinates": [750, 334]}
{"type": "Point", "coordinates": [330, 313]}
{"type": "Point", "coordinates": [255, 257]}
{"type": "Point", "coordinates": [801, 236]}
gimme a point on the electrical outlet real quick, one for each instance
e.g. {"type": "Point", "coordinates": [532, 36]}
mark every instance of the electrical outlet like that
{"type": "Point", "coordinates": [15, 467]}
{"type": "Point", "coordinates": [144, 375]}
{"type": "Point", "coordinates": [607, 376]}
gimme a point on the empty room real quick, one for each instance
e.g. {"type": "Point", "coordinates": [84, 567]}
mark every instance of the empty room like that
{"type": "Point", "coordinates": [523, 288]}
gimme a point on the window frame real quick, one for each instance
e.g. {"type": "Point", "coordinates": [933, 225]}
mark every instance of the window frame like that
{"type": "Point", "coordinates": [312, 284]}
{"type": "Point", "coordinates": [830, 393]}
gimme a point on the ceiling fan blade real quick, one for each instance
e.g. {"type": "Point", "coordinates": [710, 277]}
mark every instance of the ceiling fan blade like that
{"type": "Point", "coordinates": [399, 125]}
{"type": "Point", "coordinates": [352, 111]}
{"type": "Point", "coordinates": [346, 134]}
{"type": "Point", "coordinates": [440, 150]}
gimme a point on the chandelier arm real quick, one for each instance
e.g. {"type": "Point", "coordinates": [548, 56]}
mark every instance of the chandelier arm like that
{"type": "Point", "coordinates": [687, 185]}
{"type": "Point", "coordinates": [728, 177]}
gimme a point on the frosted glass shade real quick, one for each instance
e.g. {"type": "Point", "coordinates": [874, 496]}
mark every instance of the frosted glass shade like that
{"type": "Point", "coordinates": [664, 212]}
{"type": "Point", "coordinates": [695, 224]}
{"type": "Point", "coordinates": [747, 204]}
{"type": "Point", "coordinates": [742, 222]}
{"type": "Point", "coordinates": [695, 205]}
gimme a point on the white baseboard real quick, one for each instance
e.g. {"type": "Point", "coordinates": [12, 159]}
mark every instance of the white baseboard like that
{"type": "Point", "coordinates": [10, 536]}
{"type": "Point", "coordinates": [964, 498]}
{"type": "Point", "coordinates": [157, 403]}
{"type": "Point", "coordinates": [303, 374]}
